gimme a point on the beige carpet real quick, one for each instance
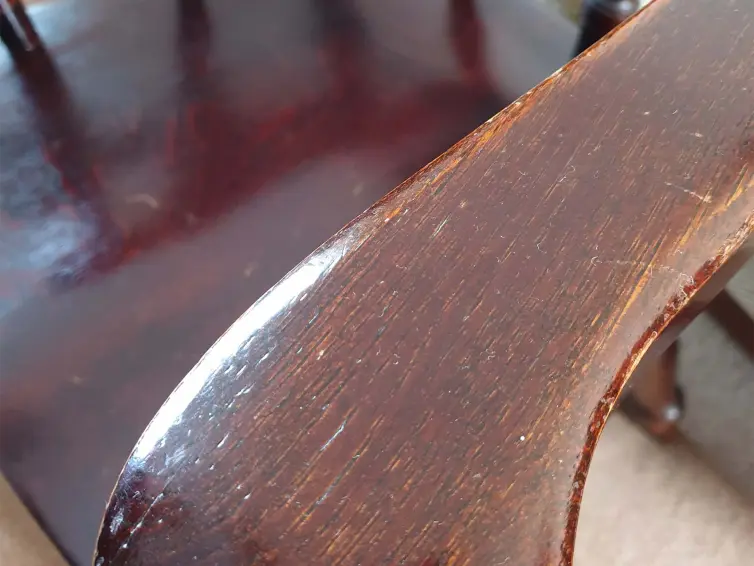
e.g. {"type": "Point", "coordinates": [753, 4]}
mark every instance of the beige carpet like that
{"type": "Point", "coordinates": [647, 505]}
{"type": "Point", "coordinates": [690, 504]}
{"type": "Point", "coordinates": [22, 542]}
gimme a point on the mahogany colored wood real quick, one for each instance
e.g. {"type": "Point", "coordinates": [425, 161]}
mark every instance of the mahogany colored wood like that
{"type": "Point", "coordinates": [428, 386]}
{"type": "Point", "coordinates": [161, 168]}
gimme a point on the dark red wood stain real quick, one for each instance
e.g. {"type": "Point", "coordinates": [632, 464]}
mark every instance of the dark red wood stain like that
{"type": "Point", "coordinates": [433, 379]}
{"type": "Point", "coordinates": [162, 167]}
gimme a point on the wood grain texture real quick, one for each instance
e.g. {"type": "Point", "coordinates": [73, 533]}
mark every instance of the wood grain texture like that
{"type": "Point", "coordinates": [162, 167]}
{"type": "Point", "coordinates": [428, 386]}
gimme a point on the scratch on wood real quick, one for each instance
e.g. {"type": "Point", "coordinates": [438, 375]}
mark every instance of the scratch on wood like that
{"type": "Point", "coordinates": [703, 198]}
{"type": "Point", "coordinates": [141, 520]}
{"type": "Point", "coordinates": [440, 226]}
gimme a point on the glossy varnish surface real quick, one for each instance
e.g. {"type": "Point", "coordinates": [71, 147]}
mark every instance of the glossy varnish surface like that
{"type": "Point", "coordinates": [428, 386]}
{"type": "Point", "coordinates": [162, 167]}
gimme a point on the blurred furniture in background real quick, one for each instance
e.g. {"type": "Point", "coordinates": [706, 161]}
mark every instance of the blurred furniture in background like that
{"type": "Point", "coordinates": [16, 29]}
{"type": "Point", "coordinates": [599, 17]}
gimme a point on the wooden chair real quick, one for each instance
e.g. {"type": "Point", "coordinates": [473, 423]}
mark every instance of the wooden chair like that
{"type": "Point", "coordinates": [428, 386]}
{"type": "Point", "coordinates": [91, 375]}
{"type": "Point", "coordinates": [162, 168]}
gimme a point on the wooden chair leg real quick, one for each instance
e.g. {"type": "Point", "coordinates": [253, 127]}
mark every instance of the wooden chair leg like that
{"type": "Point", "coordinates": [655, 400]}
{"type": "Point", "coordinates": [16, 30]}
{"type": "Point", "coordinates": [736, 322]}
{"type": "Point", "coordinates": [598, 17]}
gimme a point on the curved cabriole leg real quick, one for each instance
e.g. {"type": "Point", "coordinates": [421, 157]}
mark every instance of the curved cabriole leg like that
{"type": "Point", "coordinates": [655, 400]}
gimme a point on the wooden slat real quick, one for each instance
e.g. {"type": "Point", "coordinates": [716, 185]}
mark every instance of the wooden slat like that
{"type": "Point", "coordinates": [428, 386]}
